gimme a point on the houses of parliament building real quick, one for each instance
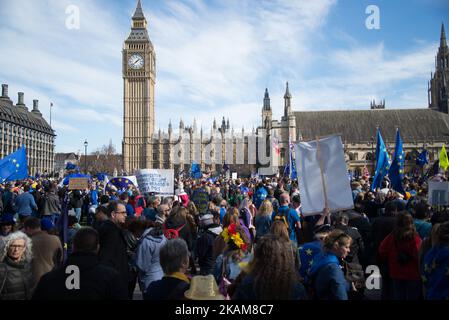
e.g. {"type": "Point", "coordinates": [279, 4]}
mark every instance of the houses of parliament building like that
{"type": "Point", "coordinates": [176, 149]}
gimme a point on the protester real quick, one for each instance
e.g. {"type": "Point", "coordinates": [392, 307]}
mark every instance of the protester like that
{"type": "Point", "coordinates": [435, 272]}
{"type": "Point", "coordinates": [228, 264]}
{"type": "Point", "coordinates": [96, 281]}
{"type": "Point", "coordinates": [25, 204]}
{"type": "Point", "coordinates": [211, 229]}
{"type": "Point", "coordinates": [272, 274]}
{"type": "Point", "coordinates": [112, 242]}
{"type": "Point", "coordinates": [47, 249]}
{"type": "Point", "coordinates": [147, 258]}
{"type": "Point", "coordinates": [421, 216]}
{"type": "Point", "coordinates": [263, 219]}
{"type": "Point", "coordinates": [7, 225]}
{"type": "Point", "coordinates": [288, 215]}
{"type": "Point", "coordinates": [400, 251]}
{"type": "Point", "coordinates": [326, 278]}
{"type": "Point", "coordinates": [51, 204]}
{"type": "Point", "coordinates": [174, 259]}
{"type": "Point", "coordinates": [16, 279]}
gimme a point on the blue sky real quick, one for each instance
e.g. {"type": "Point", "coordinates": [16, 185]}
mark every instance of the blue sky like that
{"type": "Point", "coordinates": [215, 59]}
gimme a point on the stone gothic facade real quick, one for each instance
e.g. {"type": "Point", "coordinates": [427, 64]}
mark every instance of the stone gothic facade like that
{"type": "Point", "coordinates": [266, 149]}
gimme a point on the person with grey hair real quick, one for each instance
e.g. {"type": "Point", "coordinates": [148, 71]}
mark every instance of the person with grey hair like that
{"type": "Point", "coordinates": [163, 211]}
{"type": "Point", "coordinates": [16, 281]}
{"type": "Point", "coordinates": [150, 211]}
{"type": "Point", "coordinates": [174, 260]}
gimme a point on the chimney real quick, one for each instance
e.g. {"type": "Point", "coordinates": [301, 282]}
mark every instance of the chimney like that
{"type": "Point", "coordinates": [5, 91]}
{"type": "Point", "coordinates": [20, 98]}
{"type": "Point", "coordinates": [36, 108]}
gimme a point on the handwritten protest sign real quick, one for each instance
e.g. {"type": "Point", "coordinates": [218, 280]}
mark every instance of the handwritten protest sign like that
{"type": "Point", "coordinates": [160, 181]}
{"type": "Point", "coordinates": [78, 183]}
{"type": "Point", "coordinates": [201, 198]}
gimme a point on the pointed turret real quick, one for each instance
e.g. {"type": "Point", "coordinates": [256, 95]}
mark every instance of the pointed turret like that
{"type": "Point", "coordinates": [266, 101]}
{"type": "Point", "coordinates": [214, 126]}
{"type": "Point", "coordinates": [227, 125]}
{"type": "Point", "coordinates": [443, 42]}
{"type": "Point", "coordinates": [138, 13]}
{"type": "Point", "coordinates": [181, 124]}
{"type": "Point", "coordinates": [170, 128]}
{"type": "Point", "coordinates": [266, 110]}
{"type": "Point", "coordinates": [287, 102]}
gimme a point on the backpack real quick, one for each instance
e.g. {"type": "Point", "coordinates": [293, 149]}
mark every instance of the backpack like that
{"type": "Point", "coordinates": [172, 233]}
{"type": "Point", "coordinates": [282, 216]}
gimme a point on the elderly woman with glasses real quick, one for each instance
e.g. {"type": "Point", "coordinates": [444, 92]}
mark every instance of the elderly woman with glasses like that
{"type": "Point", "coordinates": [15, 267]}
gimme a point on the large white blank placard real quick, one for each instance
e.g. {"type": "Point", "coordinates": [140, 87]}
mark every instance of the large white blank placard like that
{"type": "Point", "coordinates": [322, 175]}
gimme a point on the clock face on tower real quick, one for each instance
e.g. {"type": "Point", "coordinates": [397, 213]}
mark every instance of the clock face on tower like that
{"type": "Point", "coordinates": [135, 61]}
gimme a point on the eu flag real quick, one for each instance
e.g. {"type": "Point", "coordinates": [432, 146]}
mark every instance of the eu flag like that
{"type": "Point", "coordinates": [396, 172]}
{"type": "Point", "coordinates": [382, 162]}
{"type": "Point", "coordinates": [70, 166]}
{"type": "Point", "coordinates": [14, 166]}
{"type": "Point", "coordinates": [423, 158]}
{"type": "Point", "coordinates": [195, 171]}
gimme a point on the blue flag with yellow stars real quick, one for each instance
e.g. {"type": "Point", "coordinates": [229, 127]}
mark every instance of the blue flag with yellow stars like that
{"type": "Point", "coordinates": [435, 273]}
{"type": "Point", "coordinates": [382, 162]}
{"type": "Point", "coordinates": [121, 184]}
{"type": "Point", "coordinates": [307, 253]}
{"type": "Point", "coordinates": [396, 172]}
{"type": "Point", "coordinates": [14, 166]}
{"type": "Point", "coordinates": [423, 158]}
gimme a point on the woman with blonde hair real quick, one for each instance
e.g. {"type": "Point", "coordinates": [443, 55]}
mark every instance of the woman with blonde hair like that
{"type": "Point", "coordinates": [263, 219]}
{"type": "Point", "coordinates": [326, 278]}
{"type": "Point", "coordinates": [16, 281]}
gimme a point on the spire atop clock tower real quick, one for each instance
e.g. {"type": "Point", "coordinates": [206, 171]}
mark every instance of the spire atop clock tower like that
{"type": "Point", "coordinates": [139, 21]}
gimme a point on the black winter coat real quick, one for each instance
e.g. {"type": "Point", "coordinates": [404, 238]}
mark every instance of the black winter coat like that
{"type": "Point", "coordinates": [16, 281]}
{"type": "Point", "coordinates": [113, 250]}
{"type": "Point", "coordinates": [97, 281]}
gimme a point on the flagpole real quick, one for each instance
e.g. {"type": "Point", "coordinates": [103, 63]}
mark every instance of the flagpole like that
{"type": "Point", "coordinates": [290, 157]}
{"type": "Point", "coordinates": [51, 105]}
{"type": "Point", "coordinates": [321, 172]}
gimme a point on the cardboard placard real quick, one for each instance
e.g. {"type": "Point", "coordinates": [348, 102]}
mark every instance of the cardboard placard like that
{"type": "Point", "coordinates": [78, 183]}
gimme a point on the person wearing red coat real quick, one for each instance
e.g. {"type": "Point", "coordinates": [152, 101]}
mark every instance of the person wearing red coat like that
{"type": "Point", "coordinates": [399, 251]}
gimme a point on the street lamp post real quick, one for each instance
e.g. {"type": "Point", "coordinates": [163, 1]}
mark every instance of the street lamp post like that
{"type": "Point", "coordinates": [85, 155]}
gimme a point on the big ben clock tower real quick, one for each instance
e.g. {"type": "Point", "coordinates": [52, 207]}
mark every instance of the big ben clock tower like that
{"type": "Point", "coordinates": [139, 75]}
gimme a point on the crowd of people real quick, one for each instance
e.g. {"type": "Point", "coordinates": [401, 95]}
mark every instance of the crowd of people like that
{"type": "Point", "coordinates": [240, 239]}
